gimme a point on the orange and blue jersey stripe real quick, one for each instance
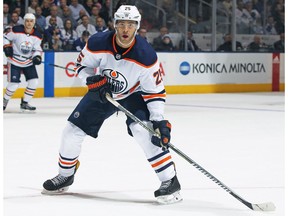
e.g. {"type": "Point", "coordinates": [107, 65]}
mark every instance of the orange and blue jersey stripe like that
{"type": "Point", "coordinates": [149, 97]}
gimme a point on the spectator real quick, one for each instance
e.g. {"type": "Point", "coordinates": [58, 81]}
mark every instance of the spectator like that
{"type": "Point", "coordinates": [191, 43]}
{"type": "Point", "coordinates": [40, 20]}
{"type": "Point", "coordinates": [167, 5]}
{"type": "Point", "coordinates": [6, 15]}
{"type": "Point", "coordinates": [243, 18]}
{"type": "Point", "coordinates": [85, 26]}
{"type": "Point", "coordinates": [52, 35]}
{"type": "Point", "coordinates": [276, 10]}
{"type": "Point", "coordinates": [18, 11]}
{"type": "Point", "coordinates": [32, 6]}
{"type": "Point", "coordinates": [88, 6]}
{"type": "Point", "coordinates": [166, 44]}
{"type": "Point", "coordinates": [100, 25]}
{"type": "Point", "coordinates": [280, 23]}
{"type": "Point", "coordinates": [80, 43]}
{"type": "Point", "coordinates": [75, 8]}
{"type": "Point", "coordinates": [142, 32]}
{"type": "Point", "coordinates": [158, 40]}
{"type": "Point", "coordinates": [104, 11]}
{"type": "Point", "coordinates": [53, 13]}
{"type": "Point", "coordinates": [270, 26]}
{"type": "Point", "coordinates": [227, 6]}
{"type": "Point", "coordinates": [81, 14]}
{"type": "Point", "coordinates": [94, 14]}
{"type": "Point", "coordinates": [66, 14]}
{"type": "Point", "coordinates": [256, 45]}
{"type": "Point", "coordinates": [280, 44]}
{"type": "Point", "coordinates": [62, 5]}
{"type": "Point", "coordinates": [201, 26]}
{"type": "Point", "coordinates": [254, 18]}
{"type": "Point", "coordinates": [227, 45]}
{"type": "Point", "coordinates": [17, 4]}
{"type": "Point", "coordinates": [146, 21]}
{"type": "Point", "coordinates": [68, 35]}
{"type": "Point", "coordinates": [15, 20]}
{"type": "Point", "coordinates": [45, 8]}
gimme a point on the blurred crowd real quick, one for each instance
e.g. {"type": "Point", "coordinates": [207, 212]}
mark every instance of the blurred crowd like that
{"type": "Point", "coordinates": [67, 24]}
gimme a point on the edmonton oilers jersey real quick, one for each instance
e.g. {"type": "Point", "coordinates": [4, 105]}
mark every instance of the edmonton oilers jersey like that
{"type": "Point", "coordinates": [25, 46]}
{"type": "Point", "coordinates": [135, 69]}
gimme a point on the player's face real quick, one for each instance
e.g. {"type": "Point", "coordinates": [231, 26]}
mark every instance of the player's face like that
{"type": "Point", "coordinates": [29, 24]}
{"type": "Point", "coordinates": [126, 31]}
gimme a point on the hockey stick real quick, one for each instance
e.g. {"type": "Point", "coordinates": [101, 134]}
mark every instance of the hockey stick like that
{"type": "Point", "coordinates": [54, 65]}
{"type": "Point", "coordinates": [268, 206]}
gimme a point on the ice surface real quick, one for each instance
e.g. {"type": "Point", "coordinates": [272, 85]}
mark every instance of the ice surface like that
{"type": "Point", "coordinates": [239, 138]}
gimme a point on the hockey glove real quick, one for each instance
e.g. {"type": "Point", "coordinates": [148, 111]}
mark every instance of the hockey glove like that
{"type": "Point", "coordinates": [37, 60]}
{"type": "Point", "coordinates": [163, 128]}
{"type": "Point", "coordinates": [8, 50]}
{"type": "Point", "coordinates": [98, 87]}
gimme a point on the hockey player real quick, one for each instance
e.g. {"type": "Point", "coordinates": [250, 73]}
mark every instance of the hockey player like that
{"type": "Point", "coordinates": [23, 51]}
{"type": "Point", "coordinates": [128, 69]}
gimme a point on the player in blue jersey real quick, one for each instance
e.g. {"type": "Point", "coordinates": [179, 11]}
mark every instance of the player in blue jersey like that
{"type": "Point", "coordinates": [127, 69]}
{"type": "Point", "coordinates": [23, 51]}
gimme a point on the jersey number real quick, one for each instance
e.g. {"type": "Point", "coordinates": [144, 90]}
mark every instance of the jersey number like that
{"type": "Point", "coordinates": [158, 77]}
{"type": "Point", "coordinates": [80, 57]}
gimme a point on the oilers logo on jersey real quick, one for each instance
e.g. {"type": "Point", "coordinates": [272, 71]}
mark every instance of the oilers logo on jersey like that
{"type": "Point", "coordinates": [117, 81]}
{"type": "Point", "coordinates": [26, 47]}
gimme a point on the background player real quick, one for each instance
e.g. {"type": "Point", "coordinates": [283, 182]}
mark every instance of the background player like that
{"type": "Point", "coordinates": [23, 51]}
{"type": "Point", "coordinates": [128, 69]}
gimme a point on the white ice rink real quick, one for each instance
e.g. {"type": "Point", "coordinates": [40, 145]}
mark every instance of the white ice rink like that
{"type": "Point", "coordinates": [239, 138]}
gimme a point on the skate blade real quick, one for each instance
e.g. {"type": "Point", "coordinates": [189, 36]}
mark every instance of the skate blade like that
{"type": "Point", "coordinates": [26, 110]}
{"type": "Point", "coordinates": [169, 199]}
{"type": "Point", "coordinates": [55, 192]}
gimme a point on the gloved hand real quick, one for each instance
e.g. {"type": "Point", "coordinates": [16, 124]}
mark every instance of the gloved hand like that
{"type": "Point", "coordinates": [98, 87]}
{"type": "Point", "coordinates": [163, 128]}
{"type": "Point", "coordinates": [37, 60]}
{"type": "Point", "coordinates": [8, 50]}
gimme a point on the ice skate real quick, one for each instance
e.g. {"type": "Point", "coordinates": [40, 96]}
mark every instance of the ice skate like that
{"type": "Point", "coordinates": [5, 102]}
{"type": "Point", "coordinates": [59, 184]}
{"type": "Point", "coordinates": [25, 106]}
{"type": "Point", "coordinates": [169, 192]}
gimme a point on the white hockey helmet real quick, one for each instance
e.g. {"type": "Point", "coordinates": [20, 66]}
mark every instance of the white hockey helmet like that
{"type": "Point", "coordinates": [127, 12]}
{"type": "Point", "coordinates": [29, 16]}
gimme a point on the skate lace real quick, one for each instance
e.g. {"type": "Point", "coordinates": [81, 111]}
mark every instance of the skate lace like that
{"type": "Point", "coordinates": [59, 179]}
{"type": "Point", "coordinates": [165, 184]}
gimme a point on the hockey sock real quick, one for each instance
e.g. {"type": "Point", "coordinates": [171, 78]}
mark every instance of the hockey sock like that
{"type": "Point", "coordinates": [159, 160]}
{"type": "Point", "coordinates": [10, 90]}
{"type": "Point", "coordinates": [30, 89]}
{"type": "Point", "coordinates": [72, 138]}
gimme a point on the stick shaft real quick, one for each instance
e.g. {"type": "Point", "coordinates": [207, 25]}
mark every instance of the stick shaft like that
{"type": "Point", "coordinates": [179, 152]}
{"type": "Point", "coordinates": [54, 65]}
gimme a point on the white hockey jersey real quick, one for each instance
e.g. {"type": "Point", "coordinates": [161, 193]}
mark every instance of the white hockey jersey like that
{"type": "Point", "coordinates": [25, 46]}
{"type": "Point", "coordinates": [136, 69]}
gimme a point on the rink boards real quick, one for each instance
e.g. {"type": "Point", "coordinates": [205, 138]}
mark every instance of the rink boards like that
{"type": "Point", "coordinates": [182, 73]}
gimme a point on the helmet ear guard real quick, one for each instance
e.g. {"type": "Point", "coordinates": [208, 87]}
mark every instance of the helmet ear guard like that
{"type": "Point", "coordinates": [127, 12]}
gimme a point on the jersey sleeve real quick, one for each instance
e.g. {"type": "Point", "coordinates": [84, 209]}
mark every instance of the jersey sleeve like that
{"type": "Point", "coordinates": [86, 64]}
{"type": "Point", "coordinates": [8, 38]}
{"type": "Point", "coordinates": [153, 91]}
{"type": "Point", "coordinates": [37, 47]}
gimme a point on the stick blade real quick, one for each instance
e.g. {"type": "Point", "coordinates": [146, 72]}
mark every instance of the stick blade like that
{"type": "Point", "coordinates": [269, 206]}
